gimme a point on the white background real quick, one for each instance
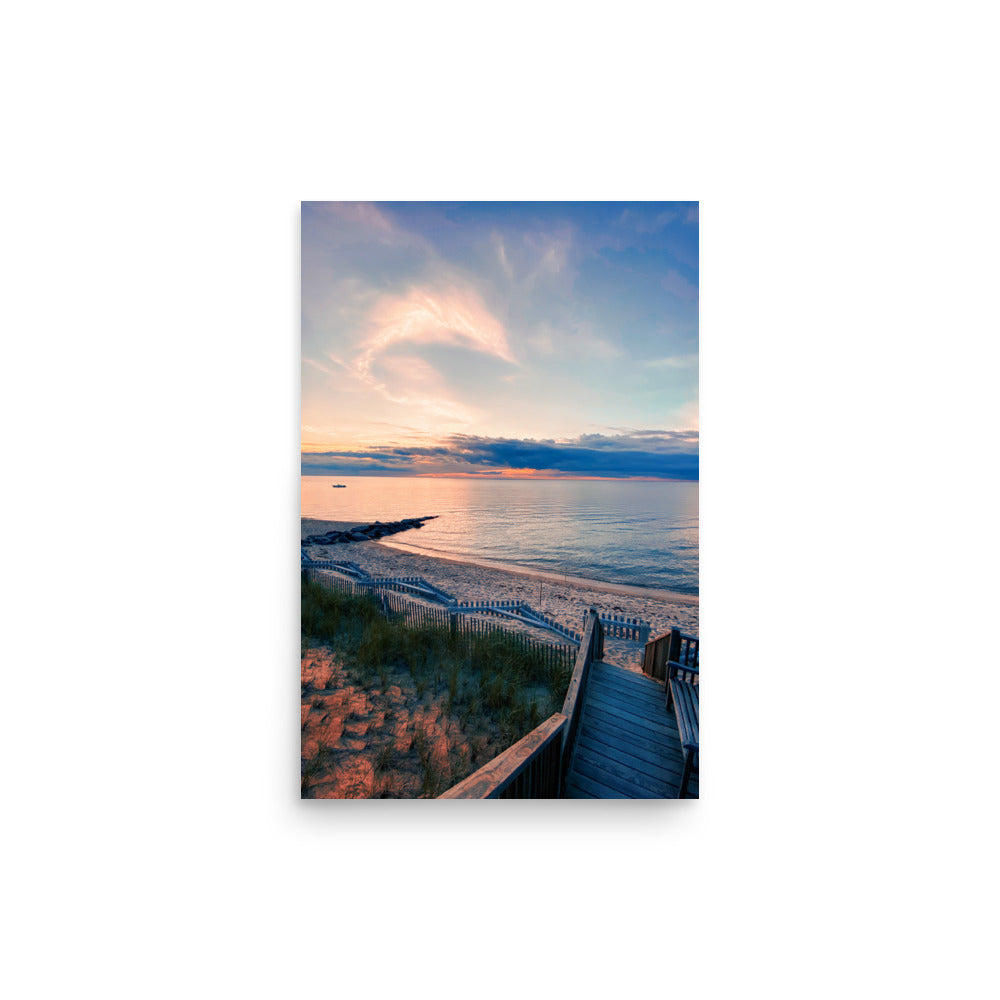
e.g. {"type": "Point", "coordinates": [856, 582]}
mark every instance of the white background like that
{"type": "Point", "coordinates": [845, 162]}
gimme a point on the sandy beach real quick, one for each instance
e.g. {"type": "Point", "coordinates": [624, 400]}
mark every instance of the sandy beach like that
{"type": "Point", "coordinates": [565, 599]}
{"type": "Point", "coordinates": [365, 738]}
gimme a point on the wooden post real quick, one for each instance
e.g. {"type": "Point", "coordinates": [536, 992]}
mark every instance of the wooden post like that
{"type": "Point", "coordinates": [674, 646]}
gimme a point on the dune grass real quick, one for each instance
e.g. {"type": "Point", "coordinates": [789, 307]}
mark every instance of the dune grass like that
{"type": "Point", "coordinates": [492, 673]}
{"type": "Point", "coordinates": [490, 679]}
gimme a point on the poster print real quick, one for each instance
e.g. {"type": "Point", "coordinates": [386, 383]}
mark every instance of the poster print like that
{"type": "Point", "coordinates": [499, 489]}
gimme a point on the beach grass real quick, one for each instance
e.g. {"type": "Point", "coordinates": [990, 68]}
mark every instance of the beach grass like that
{"type": "Point", "coordinates": [487, 682]}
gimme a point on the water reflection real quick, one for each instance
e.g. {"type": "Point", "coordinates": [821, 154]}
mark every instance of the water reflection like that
{"type": "Point", "coordinates": [621, 532]}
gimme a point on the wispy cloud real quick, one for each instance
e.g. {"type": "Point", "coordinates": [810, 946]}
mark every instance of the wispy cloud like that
{"type": "Point", "coordinates": [644, 223]}
{"type": "Point", "coordinates": [551, 252]}
{"type": "Point", "coordinates": [424, 316]}
{"type": "Point", "coordinates": [678, 285]}
{"type": "Point", "coordinates": [497, 240]}
{"type": "Point", "coordinates": [578, 340]}
{"type": "Point", "coordinates": [354, 222]}
{"type": "Point", "coordinates": [319, 366]}
{"type": "Point", "coordinates": [416, 384]}
{"type": "Point", "coordinates": [675, 361]}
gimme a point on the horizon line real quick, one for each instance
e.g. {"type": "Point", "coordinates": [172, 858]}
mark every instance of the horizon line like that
{"type": "Point", "coordinates": [497, 476]}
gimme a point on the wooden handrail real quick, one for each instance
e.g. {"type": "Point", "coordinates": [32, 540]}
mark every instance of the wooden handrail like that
{"type": "Point", "coordinates": [673, 645]}
{"type": "Point", "coordinates": [536, 766]}
{"type": "Point", "coordinates": [591, 648]}
{"type": "Point", "coordinates": [532, 762]}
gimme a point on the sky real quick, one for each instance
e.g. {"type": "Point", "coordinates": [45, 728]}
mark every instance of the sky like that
{"type": "Point", "coordinates": [500, 339]}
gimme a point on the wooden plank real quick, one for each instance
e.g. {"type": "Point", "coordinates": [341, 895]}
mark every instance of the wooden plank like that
{"type": "Point", "coordinates": [664, 725]}
{"type": "Point", "coordinates": [649, 754]}
{"type": "Point", "coordinates": [638, 681]}
{"type": "Point", "coordinates": [574, 791]}
{"type": "Point", "coordinates": [686, 790]}
{"type": "Point", "coordinates": [637, 689]}
{"type": "Point", "coordinates": [629, 690]}
{"type": "Point", "coordinates": [586, 768]}
{"type": "Point", "coordinates": [655, 709]}
{"type": "Point", "coordinates": [595, 788]}
{"type": "Point", "coordinates": [627, 742]}
{"type": "Point", "coordinates": [660, 768]}
{"type": "Point", "coordinates": [655, 656]}
{"type": "Point", "coordinates": [602, 717]}
{"type": "Point", "coordinates": [607, 725]}
{"type": "Point", "coordinates": [668, 766]}
{"type": "Point", "coordinates": [613, 690]}
{"type": "Point", "coordinates": [625, 775]}
{"type": "Point", "coordinates": [581, 668]}
{"type": "Point", "coordinates": [635, 675]}
{"type": "Point", "coordinates": [573, 706]}
{"type": "Point", "coordinates": [627, 730]}
{"type": "Point", "coordinates": [685, 698]}
{"type": "Point", "coordinates": [671, 778]}
{"type": "Point", "coordinates": [625, 689]}
{"type": "Point", "coordinates": [629, 676]}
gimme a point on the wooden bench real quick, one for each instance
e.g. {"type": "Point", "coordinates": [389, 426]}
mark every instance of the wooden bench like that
{"type": "Point", "coordinates": [682, 696]}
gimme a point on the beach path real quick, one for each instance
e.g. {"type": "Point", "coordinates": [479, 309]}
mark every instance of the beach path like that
{"type": "Point", "coordinates": [628, 746]}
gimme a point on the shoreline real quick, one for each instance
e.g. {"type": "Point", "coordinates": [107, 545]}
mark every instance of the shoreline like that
{"type": "Point", "coordinates": [602, 586]}
{"type": "Point", "coordinates": [629, 589]}
{"type": "Point", "coordinates": [563, 599]}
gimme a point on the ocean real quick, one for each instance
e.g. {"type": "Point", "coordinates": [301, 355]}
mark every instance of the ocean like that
{"type": "Point", "coordinates": [637, 533]}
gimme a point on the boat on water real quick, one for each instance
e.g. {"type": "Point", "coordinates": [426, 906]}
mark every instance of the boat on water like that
{"type": "Point", "coordinates": [339, 486]}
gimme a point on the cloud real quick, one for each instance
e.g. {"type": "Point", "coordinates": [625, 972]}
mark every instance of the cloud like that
{"type": "Point", "coordinates": [578, 340]}
{"type": "Point", "coordinates": [497, 240]}
{"type": "Point", "coordinates": [592, 346]}
{"type": "Point", "coordinates": [427, 315]}
{"type": "Point", "coordinates": [643, 223]}
{"type": "Point", "coordinates": [687, 415]}
{"type": "Point", "coordinates": [541, 340]}
{"type": "Point", "coordinates": [353, 222]}
{"type": "Point", "coordinates": [318, 365]}
{"type": "Point", "coordinates": [639, 454]}
{"type": "Point", "coordinates": [677, 285]}
{"type": "Point", "coordinates": [419, 386]}
{"type": "Point", "coordinates": [646, 440]}
{"type": "Point", "coordinates": [675, 361]}
{"type": "Point", "coordinates": [502, 320]}
{"type": "Point", "coordinates": [552, 252]}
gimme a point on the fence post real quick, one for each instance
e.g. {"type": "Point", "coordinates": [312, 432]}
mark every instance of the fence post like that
{"type": "Point", "coordinates": [598, 636]}
{"type": "Point", "coordinates": [674, 647]}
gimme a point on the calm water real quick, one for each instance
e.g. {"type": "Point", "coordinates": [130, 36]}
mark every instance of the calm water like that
{"type": "Point", "coordinates": [644, 534]}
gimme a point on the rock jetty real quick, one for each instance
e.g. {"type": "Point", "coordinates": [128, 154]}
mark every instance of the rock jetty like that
{"type": "Point", "coordinates": [367, 532]}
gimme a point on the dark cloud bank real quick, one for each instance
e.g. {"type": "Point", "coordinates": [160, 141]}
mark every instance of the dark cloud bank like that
{"type": "Point", "coordinates": [658, 454]}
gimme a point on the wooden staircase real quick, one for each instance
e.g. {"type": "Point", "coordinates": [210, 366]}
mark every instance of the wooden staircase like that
{"type": "Point", "coordinates": [627, 745]}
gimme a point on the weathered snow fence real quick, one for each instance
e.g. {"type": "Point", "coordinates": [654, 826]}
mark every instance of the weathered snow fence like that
{"type": "Point", "coordinates": [619, 627]}
{"type": "Point", "coordinates": [615, 626]}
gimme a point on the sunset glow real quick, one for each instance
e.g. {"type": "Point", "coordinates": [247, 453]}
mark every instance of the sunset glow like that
{"type": "Point", "coordinates": [515, 341]}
